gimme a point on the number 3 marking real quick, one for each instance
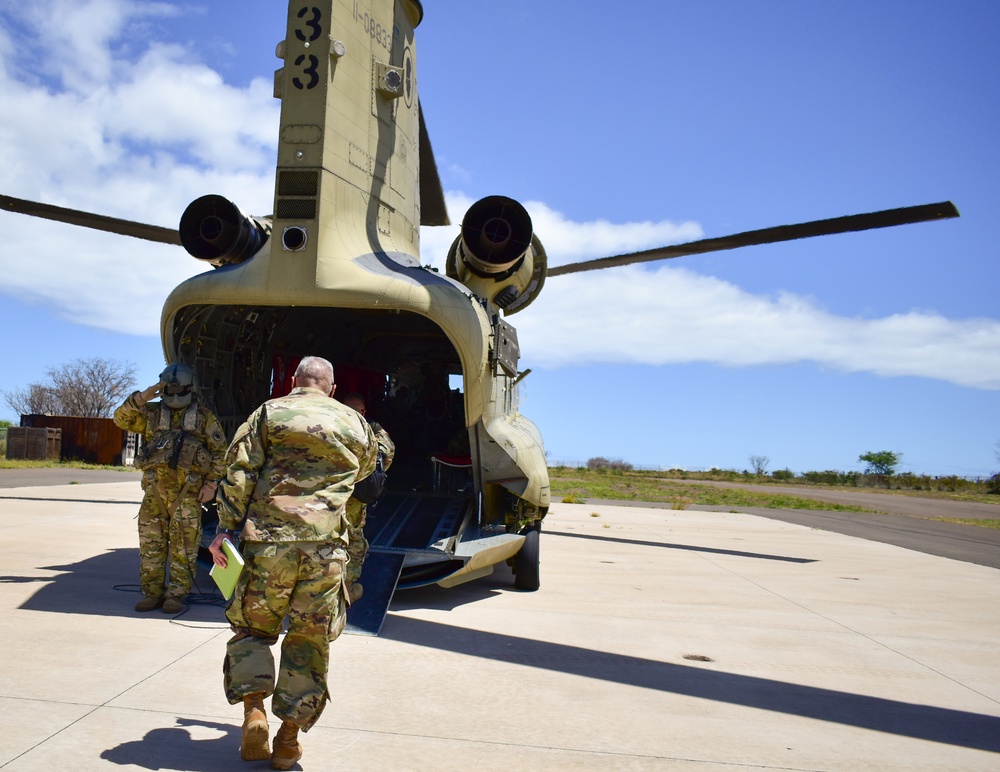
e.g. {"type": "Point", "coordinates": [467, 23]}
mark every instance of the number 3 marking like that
{"type": "Point", "coordinates": [311, 71]}
{"type": "Point", "coordinates": [313, 23]}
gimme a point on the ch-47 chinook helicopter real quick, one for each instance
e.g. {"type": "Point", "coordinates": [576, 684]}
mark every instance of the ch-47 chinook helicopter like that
{"type": "Point", "coordinates": [335, 271]}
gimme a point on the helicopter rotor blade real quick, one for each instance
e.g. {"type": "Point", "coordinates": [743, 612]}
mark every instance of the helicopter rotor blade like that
{"type": "Point", "coordinates": [98, 222]}
{"type": "Point", "coordinates": [856, 222]}
{"type": "Point", "coordinates": [433, 210]}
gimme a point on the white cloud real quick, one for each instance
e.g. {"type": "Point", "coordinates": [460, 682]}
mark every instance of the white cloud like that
{"type": "Point", "coordinates": [76, 35]}
{"type": "Point", "coordinates": [669, 315]}
{"type": "Point", "coordinates": [566, 241]}
{"type": "Point", "coordinates": [115, 135]}
{"type": "Point", "coordinates": [232, 128]}
{"type": "Point", "coordinates": [91, 278]}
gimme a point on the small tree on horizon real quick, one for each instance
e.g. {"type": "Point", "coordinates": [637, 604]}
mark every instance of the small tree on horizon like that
{"type": "Point", "coordinates": [882, 463]}
{"type": "Point", "coordinates": [759, 465]}
{"type": "Point", "coordinates": [600, 462]}
{"type": "Point", "coordinates": [993, 484]}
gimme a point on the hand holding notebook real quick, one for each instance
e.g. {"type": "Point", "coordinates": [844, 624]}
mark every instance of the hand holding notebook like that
{"type": "Point", "coordinates": [227, 577]}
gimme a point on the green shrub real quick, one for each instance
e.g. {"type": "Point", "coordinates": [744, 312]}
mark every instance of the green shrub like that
{"type": "Point", "coordinates": [828, 477]}
{"type": "Point", "coordinates": [599, 463]}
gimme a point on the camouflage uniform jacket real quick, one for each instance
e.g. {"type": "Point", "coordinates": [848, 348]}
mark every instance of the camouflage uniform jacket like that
{"type": "Point", "coordinates": [385, 443]}
{"type": "Point", "coordinates": [203, 458]}
{"type": "Point", "coordinates": [292, 468]}
{"type": "Point", "coordinates": [388, 450]}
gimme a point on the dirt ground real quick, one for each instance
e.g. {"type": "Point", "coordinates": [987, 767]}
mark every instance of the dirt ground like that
{"type": "Point", "coordinates": [890, 503]}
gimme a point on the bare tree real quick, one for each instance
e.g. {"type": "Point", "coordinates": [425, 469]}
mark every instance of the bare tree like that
{"type": "Point", "coordinates": [34, 399]}
{"type": "Point", "coordinates": [89, 388]}
{"type": "Point", "coordinates": [759, 464]}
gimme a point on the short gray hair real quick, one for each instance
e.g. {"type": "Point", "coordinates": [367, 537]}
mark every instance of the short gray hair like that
{"type": "Point", "coordinates": [316, 372]}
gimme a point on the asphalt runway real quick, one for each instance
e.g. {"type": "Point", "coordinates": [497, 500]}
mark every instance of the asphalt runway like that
{"type": "Point", "coordinates": [890, 503]}
{"type": "Point", "coordinates": [29, 478]}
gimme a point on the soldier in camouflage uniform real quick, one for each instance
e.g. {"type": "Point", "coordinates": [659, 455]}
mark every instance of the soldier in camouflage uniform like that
{"type": "Point", "coordinates": [291, 469]}
{"type": "Point", "coordinates": [357, 549]}
{"type": "Point", "coordinates": [182, 459]}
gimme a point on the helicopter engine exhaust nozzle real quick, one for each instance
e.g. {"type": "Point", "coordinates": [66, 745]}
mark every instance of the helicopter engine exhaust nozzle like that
{"type": "Point", "coordinates": [213, 229]}
{"type": "Point", "coordinates": [496, 233]}
{"type": "Point", "coordinates": [497, 255]}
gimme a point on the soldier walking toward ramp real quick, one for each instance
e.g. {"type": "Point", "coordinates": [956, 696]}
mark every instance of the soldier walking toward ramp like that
{"type": "Point", "coordinates": [182, 460]}
{"type": "Point", "coordinates": [292, 468]}
{"type": "Point", "coordinates": [357, 510]}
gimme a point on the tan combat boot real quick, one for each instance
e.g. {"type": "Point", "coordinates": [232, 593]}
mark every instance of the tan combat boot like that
{"type": "Point", "coordinates": [172, 606]}
{"type": "Point", "coordinates": [148, 603]}
{"type": "Point", "coordinates": [355, 590]}
{"type": "Point", "coordinates": [254, 746]}
{"type": "Point", "coordinates": [287, 749]}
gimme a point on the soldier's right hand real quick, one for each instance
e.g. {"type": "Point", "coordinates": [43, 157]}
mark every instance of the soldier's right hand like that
{"type": "Point", "coordinates": [152, 392]}
{"type": "Point", "coordinates": [218, 556]}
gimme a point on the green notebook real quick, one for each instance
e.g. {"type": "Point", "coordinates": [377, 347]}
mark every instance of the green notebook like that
{"type": "Point", "coordinates": [227, 577]}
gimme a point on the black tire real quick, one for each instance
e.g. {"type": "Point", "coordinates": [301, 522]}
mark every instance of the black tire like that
{"type": "Point", "coordinates": [526, 574]}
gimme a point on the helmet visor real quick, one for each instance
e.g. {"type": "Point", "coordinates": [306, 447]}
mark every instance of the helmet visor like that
{"type": "Point", "coordinates": [177, 389]}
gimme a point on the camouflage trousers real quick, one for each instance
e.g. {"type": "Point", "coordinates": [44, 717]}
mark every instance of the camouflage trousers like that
{"type": "Point", "coordinates": [357, 548]}
{"type": "Point", "coordinates": [172, 539]}
{"type": "Point", "coordinates": [302, 580]}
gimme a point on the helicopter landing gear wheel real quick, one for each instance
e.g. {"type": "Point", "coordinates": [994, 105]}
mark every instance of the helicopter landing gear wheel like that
{"type": "Point", "coordinates": [526, 575]}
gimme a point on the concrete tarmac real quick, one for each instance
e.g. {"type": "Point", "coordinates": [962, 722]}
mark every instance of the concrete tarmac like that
{"type": "Point", "coordinates": [972, 543]}
{"type": "Point", "coordinates": [660, 639]}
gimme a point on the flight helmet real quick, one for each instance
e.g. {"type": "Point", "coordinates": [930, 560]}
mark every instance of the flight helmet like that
{"type": "Point", "coordinates": [178, 380]}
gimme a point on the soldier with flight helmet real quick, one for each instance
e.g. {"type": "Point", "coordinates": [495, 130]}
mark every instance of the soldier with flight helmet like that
{"type": "Point", "coordinates": [182, 460]}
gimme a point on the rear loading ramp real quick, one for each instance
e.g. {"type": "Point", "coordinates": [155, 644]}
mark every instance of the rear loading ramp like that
{"type": "Point", "coordinates": [365, 617]}
{"type": "Point", "coordinates": [404, 526]}
{"type": "Point", "coordinates": [416, 539]}
{"type": "Point", "coordinates": [424, 528]}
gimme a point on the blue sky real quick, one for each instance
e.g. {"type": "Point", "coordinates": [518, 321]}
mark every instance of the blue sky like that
{"type": "Point", "coordinates": [621, 126]}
